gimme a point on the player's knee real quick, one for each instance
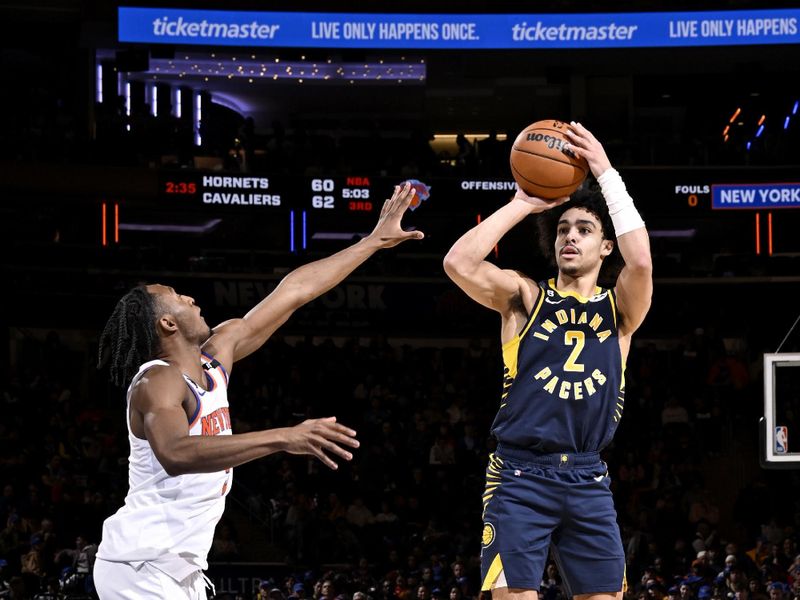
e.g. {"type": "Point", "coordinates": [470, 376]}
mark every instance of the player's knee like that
{"type": "Point", "coordinates": [505, 593]}
{"type": "Point", "coordinates": [604, 596]}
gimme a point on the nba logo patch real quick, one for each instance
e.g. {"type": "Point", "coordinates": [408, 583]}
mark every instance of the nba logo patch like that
{"type": "Point", "coordinates": [781, 440]}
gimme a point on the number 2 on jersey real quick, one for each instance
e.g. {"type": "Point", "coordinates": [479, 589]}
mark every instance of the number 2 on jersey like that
{"type": "Point", "coordinates": [578, 339]}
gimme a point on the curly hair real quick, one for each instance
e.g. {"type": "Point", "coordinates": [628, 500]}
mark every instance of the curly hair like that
{"type": "Point", "coordinates": [130, 337]}
{"type": "Point", "coordinates": [590, 199]}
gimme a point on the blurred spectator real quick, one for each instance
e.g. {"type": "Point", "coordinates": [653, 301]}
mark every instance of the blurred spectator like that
{"type": "Point", "coordinates": [77, 576]}
{"type": "Point", "coordinates": [358, 514]}
{"type": "Point", "coordinates": [263, 592]}
{"type": "Point", "coordinates": [674, 413]}
{"type": "Point", "coordinates": [550, 588]}
{"type": "Point", "coordinates": [465, 157]}
{"type": "Point", "coordinates": [777, 591]}
{"type": "Point", "coordinates": [32, 560]}
{"type": "Point", "coordinates": [756, 589]}
{"type": "Point", "coordinates": [442, 452]}
{"type": "Point", "coordinates": [794, 570]}
{"type": "Point", "coordinates": [5, 587]}
{"type": "Point", "coordinates": [224, 546]}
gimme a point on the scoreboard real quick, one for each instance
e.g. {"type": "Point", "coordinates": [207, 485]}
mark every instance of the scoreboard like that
{"type": "Point", "coordinates": [337, 194]}
{"type": "Point", "coordinates": [656, 191]}
{"type": "Point", "coordinates": [351, 193]}
{"type": "Point", "coordinates": [333, 194]}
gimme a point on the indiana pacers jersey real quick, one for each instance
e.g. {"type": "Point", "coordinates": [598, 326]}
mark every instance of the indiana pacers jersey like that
{"type": "Point", "coordinates": [563, 387]}
{"type": "Point", "coordinates": [169, 521]}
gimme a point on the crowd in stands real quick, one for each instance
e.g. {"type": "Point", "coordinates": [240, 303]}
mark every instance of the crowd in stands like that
{"type": "Point", "coordinates": [403, 519]}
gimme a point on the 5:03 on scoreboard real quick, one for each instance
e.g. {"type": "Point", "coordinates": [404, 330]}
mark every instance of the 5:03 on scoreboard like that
{"type": "Point", "coordinates": [349, 193]}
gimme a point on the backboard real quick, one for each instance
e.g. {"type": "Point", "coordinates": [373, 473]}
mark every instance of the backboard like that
{"type": "Point", "coordinates": [780, 426]}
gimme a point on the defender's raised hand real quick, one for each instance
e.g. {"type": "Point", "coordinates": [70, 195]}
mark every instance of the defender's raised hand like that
{"type": "Point", "coordinates": [389, 231]}
{"type": "Point", "coordinates": [320, 438]}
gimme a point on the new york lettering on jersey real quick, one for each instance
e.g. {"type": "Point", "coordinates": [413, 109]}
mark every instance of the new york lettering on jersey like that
{"type": "Point", "coordinates": [563, 386]}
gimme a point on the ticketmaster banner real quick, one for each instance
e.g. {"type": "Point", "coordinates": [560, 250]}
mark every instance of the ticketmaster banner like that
{"type": "Point", "coordinates": [457, 31]}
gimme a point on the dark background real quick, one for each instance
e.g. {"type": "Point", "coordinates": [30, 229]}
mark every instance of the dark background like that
{"type": "Point", "coordinates": [396, 350]}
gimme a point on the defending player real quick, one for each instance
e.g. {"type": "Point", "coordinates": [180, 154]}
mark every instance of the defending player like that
{"type": "Point", "coordinates": [179, 427]}
{"type": "Point", "coordinates": [565, 342]}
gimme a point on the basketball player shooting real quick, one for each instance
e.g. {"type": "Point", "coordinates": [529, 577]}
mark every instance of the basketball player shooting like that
{"type": "Point", "coordinates": [565, 342]}
{"type": "Point", "coordinates": [182, 447]}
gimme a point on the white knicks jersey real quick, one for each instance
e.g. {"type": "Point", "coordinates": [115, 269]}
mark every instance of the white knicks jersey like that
{"type": "Point", "coordinates": [169, 521]}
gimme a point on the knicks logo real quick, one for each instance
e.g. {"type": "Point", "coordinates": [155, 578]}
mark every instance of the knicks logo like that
{"type": "Point", "coordinates": [423, 192]}
{"type": "Point", "coordinates": [488, 534]}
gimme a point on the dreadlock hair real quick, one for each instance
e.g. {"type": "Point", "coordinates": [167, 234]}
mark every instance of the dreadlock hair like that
{"type": "Point", "coordinates": [129, 337]}
{"type": "Point", "coordinates": [589, 198]}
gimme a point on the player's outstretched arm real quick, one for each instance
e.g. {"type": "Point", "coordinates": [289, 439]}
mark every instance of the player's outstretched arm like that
{"type": "Point", "coordinates": [235, 339]}
{"type": "Point", "coordinates": [482, 281]}
{"type": "Point", "coordinates": [635, 283]}
{"type": "Point", "coordinates": [158, 398]}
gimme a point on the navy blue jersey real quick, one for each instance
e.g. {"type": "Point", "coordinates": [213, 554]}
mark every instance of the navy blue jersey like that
{"type": "Point", "coordinates": [563, 387]}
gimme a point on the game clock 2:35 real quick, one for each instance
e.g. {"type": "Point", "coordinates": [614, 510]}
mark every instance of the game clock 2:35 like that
{"type": "Point", "coordinates": [180, 187]}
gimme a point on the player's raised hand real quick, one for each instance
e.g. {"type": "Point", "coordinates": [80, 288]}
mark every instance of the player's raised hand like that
{"type": "Point", "coordinates": [322, 438]}
{"type": "Point", "coordinates": [585, 145]}
{"type": "Point", "coordinates": [538, 205]}
{"type": "Point", "coordinates": [389, 231]}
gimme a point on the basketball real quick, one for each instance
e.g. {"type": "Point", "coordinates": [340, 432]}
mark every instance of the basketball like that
{"type": "Point", "coordinates": [541, 166]}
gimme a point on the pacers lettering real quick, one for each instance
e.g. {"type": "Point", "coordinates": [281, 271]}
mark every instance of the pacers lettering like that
{"type": "Point", "coordinates": [571, 390]}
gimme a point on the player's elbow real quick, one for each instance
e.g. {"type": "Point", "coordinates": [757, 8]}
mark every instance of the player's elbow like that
{"type": "Point", "coordinates": [455, 264]}
{"type": "Point", "coordinates": [173, 461]}
{"type": "Point", "coordinates": [172, 466]}
{"type": "Point", "coordinates": [173, 469]}
{"type": "Point", "coordinates": [295, 292]}
{"type": "Point", "coordinates": [641, 262]}
{"type": "Point", "coordinates": [449, 265]}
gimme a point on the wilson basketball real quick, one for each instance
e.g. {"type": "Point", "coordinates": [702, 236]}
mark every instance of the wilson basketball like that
{"type": "Point", "coordinates": [541, 165]}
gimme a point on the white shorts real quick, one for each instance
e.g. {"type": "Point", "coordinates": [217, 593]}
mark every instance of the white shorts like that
{"type": "Point", "coordinates": [121, 581]}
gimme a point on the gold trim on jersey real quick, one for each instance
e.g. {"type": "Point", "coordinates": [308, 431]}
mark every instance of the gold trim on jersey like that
{"type": "Point", "coordinates": [517, 338]}
{"type": "Point", "coordinates": [612, 295]}
{"type": "Point", "coordinates": [613, 308]}
{"type": "Point", "coordinates": [583, 299]}
{"type": "Point", "coordinates": [511, 351]}
{"type": "Point", "coordinates": [620, 406]}
{"type": "Point", "coordinates": [539, 302]}
{"type": "Point", "coordinates": [493, 479]}
{"type": "Point", "coordinates": [492, 574]}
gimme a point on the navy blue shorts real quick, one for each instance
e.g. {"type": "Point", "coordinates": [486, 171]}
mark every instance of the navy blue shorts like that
{"type": "Point", "coordinates": [535, 502]}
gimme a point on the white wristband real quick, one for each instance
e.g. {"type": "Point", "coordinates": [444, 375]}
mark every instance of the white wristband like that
{"type": "Point", "coordinates": [623, 213]}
